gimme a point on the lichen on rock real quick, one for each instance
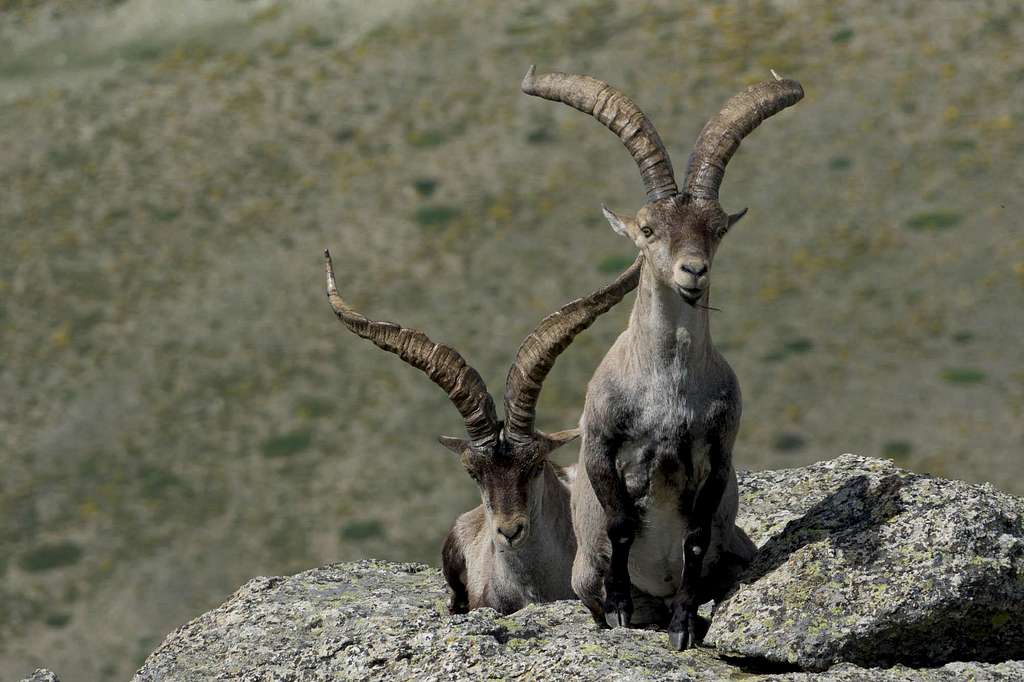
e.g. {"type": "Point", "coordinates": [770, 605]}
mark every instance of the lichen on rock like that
{"type": "Point", "coordinates": [860, 561]}
{"type": "Point", "coordinates": [42, 675]}
{"type": "Point", "coordinates": [862, 566]}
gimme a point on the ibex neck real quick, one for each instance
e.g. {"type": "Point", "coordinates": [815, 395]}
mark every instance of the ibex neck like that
{"type": "Point", "coordinates": [665, 328]}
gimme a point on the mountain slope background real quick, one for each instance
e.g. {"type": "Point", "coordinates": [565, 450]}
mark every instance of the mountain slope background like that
{"type": "Point", "coordinates": [179, 410]}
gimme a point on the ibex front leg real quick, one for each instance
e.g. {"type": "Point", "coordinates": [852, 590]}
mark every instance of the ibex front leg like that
{"type": "Point", "coordinates": [453, 565]}
{"type": "Point", "coordinates": [687, 629]}
{"type": "Point", "coordinates": [622, 525]}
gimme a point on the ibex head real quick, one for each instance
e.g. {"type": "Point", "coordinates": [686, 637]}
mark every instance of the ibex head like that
{"type": "Point", "coordinates": [677, 232]}
{"type": "Point", "coordinates": [506, 459]}
{"type": "Point", "coordinates": [510, 477]}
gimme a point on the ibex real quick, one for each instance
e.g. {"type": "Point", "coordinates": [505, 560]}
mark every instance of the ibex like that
{"type": "Point", "coordinates": [654, 501]}
{"type": "Point", "coordinates": [518, 546]}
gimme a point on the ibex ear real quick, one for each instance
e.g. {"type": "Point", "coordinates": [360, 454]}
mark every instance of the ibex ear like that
{"type": "Point", "coordinates": [456, 445]}
{"type": "Point", "coordinates": [618, 224]}
{"type": "Point", "coordinates": [560, 438]}
{"type": "Point", "coordinates": [733, 219]}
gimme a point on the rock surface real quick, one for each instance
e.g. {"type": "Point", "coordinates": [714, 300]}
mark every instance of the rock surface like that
{"type": "Point", "coordinates": [860, 562]}
{"type": "Point", "coordinates": [378, 620]}
{"type": "Point", "coordinates": [863, 562]}
{"type": "Point", "coordinates": [42, 675]}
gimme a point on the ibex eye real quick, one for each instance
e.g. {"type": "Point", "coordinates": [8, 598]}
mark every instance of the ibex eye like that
{"type": "Point", "coordinates": [646, 231]}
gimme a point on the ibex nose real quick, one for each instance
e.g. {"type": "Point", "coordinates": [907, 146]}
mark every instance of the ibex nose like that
{"type": "Point", "coordinates": [694, 266]}
{"type": "Point", "coordinates": [512, 533]}
{"type": "Point", "coordinates": [691, 277]}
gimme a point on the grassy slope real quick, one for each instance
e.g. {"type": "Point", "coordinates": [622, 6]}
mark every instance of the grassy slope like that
{"type": "Point", "coordinates": [180, 411]}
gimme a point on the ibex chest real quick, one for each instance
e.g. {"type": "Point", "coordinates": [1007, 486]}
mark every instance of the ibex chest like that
{"type": "Point", "coordinates": [664, 471]}
{"type": "Point", "coordinates": [665, 449]}
{"type": "Point", "coordinates": [664, 465]}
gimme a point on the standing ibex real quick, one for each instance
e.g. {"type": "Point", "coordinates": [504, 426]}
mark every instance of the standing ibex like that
{"type": "Point", "coordinates": [654, 504]}
{"type": "Point", "coordinates": [518, 546]}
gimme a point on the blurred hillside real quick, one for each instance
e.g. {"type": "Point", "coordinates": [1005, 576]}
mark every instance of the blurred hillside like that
{"type": "Point", "coordinates": [179, 410]}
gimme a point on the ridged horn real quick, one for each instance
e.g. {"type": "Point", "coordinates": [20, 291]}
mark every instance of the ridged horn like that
{"type": "Point", "coordinates": [620, 115]}
{"type": "Point", "coordinates": [443, 364]}
{"type": "Point", "coordinates": [722, 135]}
{"type": "Point", "coordinates": [539, 350]}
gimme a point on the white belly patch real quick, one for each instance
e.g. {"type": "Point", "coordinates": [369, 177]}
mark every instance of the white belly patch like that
{"type": "Point", "coordinates": [656, 557]}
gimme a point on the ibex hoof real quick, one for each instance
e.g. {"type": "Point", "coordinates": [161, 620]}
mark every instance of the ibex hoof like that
{"type": "Point", "coordinates": [679, 640]}
{"type": "Point", "coordinates": [687, 630]}
{"type": "Point", "coordinates": [618, 606]}
{"type": "Point", "coordinates": [617, 619]}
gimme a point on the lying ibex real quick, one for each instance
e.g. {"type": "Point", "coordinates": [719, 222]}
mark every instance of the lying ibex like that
{"type": "Point", "coordinates": [654, 502]}
{"type": "Point", "coordinates": [518, 546]}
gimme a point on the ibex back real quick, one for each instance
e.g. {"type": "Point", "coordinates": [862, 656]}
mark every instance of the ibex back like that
{"type": "Point", "coordinates": [654, 502]}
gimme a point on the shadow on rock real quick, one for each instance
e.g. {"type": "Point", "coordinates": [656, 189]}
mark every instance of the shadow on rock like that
{"type": "Point", "coordinates": [864, 563]}
{"type": "Point", "coordinates": [851, 517]}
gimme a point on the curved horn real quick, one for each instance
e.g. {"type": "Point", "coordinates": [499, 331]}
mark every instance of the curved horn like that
{"type": "Point", "coordinates": [722, 135]}
{"type": "Point", "coordinates": [539, 350]}
{"type": "Point", "coordinates": [620, 115]}
{"type": "Point", "coordinates": [442, 364]}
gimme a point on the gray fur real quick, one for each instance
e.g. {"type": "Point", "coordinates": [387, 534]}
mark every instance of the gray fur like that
{"type": "Point", "coordinates": [654, 503]}
{"type": "Point", "coordinates": [662, 383]}
{"type": "Point", "coordinates": [538, 569]}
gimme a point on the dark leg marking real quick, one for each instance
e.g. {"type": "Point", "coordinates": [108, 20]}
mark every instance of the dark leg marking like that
{"type": "Point", "coordinates": [453, 564]}
{"type": "Point", "coordinates": [618, 605]}
{"type": "Point", "coordinates": [622, 521]}
{"type": "Point", "coordinates": [686, 628]}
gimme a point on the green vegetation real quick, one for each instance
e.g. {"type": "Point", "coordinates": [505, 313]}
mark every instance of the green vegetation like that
{"type": "Point", "coordinates": [142, 51]}
{"type": "Point", "coordinates": [797, 346]}
{"type": "Point", "coordinates": [788, 442]}
{"type": "Point", "coordinates": [162, 215]}
{"type": "Point", "coordinates": [897, 450]}
{"type": "Point", "coordinates": [362, 529]}
{"type": "Point", "coordinates": [288, 538]}
{"type": "Point", "coordinates": [66, 156]}
{"type": "Point", "coordinates": [961, 144]}
{"type": "Point", "coordinates": [314, 38]}
{"type": "Point", "coordinates": [934, 221]}
{"type": "Point", "coordinates": [840, 163]}
{"type": "Point", "coordinates": [425, 187]}
{"type": "Point", "coordinates": [314, 407]}
{"type": "Point", "coordinates": [344, 134]}
{"type": "Point", "coordinates": [157, 482]}
{"type": "Point", "coordinates": [963, 375]}
{"type": "Point", "coordinates": [287, 444]}
{"type": "Point", "coordinates": [613, 265]}
{"type": "Point", "coordinates": [50, 556]}
{"type": "Point", "coordinates": [436, 216]}
{"type": "Point", "coordinates": [843, 35]}
{"type": "Point", "coordinates": [426, 138]}
{"type": "Point", "coordinates": [57, 619]}
{"type": "Point", "coordinates": [541, 135]}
